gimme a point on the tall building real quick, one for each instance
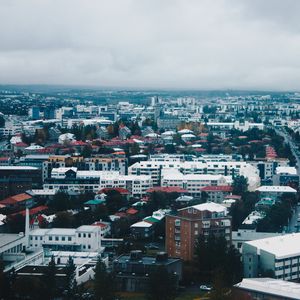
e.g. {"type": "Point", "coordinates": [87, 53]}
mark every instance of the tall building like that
{"type": "Point", "coordinates": [34, 112]}
{"type": "Point", "coordinates": [183, 228]}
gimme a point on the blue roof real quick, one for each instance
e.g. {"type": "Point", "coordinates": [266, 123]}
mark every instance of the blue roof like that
{"type": "Point", "coordinates": [94, 202]}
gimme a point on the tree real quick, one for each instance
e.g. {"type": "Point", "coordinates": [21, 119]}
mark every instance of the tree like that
{"type": "Point", "coordinates": [240, 185]}
{"type": "Point", "coordinates": [5, 283]}
{"type": "Point", "coordinates": [170, 148]}
{"type": "Point", "coordinates": [71, 281]}
{"type": "Point", "coordinates": [104, 287]}
{"type": "Point", "coordinates": [63, 219]}
{"type": "Point", "coordinates": [29, 288]}
{"type": "Point", "coordinates": [114, 201]}
{"type": "Point", "coordinates": [86, 151]}
{"type": "Point", "coordinates": [2, 121]}
{"type": "Point", "coordinates": [50, 280]}
{"type": "Point", "coordinates": [16, 223]}
{"type": "Point", "coordinates": [162, 284]}
{"type": "Point", "coordinates": [60, 201]}
{"type": "Point", "coordinates": [242, 208]}
{"type": "Point", "coordinates": [213, 254]}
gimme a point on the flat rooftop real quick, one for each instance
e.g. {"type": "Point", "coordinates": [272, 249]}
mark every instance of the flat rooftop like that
{"type": "Point", "coordinates": [270, 286]}
{"type": "Point", "coordinates": [282, 246]}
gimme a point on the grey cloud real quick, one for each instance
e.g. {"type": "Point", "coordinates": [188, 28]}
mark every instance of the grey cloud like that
{"type": "Point", "coordinates": [200, 44]}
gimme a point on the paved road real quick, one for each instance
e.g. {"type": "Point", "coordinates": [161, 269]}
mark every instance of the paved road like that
{"type": "Point", "coordinates": [294, 225]}
{"type": "Point", "coordinates": [292, 145]}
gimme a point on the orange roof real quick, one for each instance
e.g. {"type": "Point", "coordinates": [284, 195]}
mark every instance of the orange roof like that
{"type": "Point", "coordinates": [132, 211]}
{"type": "Point", "coordinates": [16, 199]}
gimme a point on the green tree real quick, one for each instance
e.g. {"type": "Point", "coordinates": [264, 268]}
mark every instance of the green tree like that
{"type": "Point", "coordinates": [86, 151]}
{"type": "Point", "coordinates": [240, 185]}
{"type": "Point", "coordinates": [63, 219]}
{"type": "Point", "coordinates": [2, 121]}
{"type": "Point", "coordinates": [71, 281]}
{"type": "Point", "coordinates": [114, 201]}
{"type": "Point", "coordinates": [29, 288]}
{"type": "Point", "coordinates": [212, 255]}
{"type": "Point", "coordinates": [104, 288]}
{"type": "Point", "coordinates": [162, 284]}
{"type": "Point", "coordinates": [49, 279]}
{"type": "Point", "coordinates": [60, 201]}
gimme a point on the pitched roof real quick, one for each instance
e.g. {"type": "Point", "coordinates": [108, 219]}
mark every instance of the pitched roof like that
{"type": "Point", "coordinates": [16, 199]}
{"type": "Point", "coordinates": [132, 211]}
{"type": "Point", "coordinates": [122, 191]}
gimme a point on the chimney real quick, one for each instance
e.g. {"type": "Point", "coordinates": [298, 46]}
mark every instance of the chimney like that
{"type": "Point", "coordinates": [27, 229]}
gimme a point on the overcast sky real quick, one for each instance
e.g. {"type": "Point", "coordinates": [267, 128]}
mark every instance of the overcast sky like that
{"type": "Point", "coordinates": [197, 44]}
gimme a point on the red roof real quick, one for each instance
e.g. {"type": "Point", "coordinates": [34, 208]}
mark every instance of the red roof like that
{"type": "Point", "coordinates": [16, 199]}
{"type": "Point", "coordinates": [100, 224]}
{"type": "Point", "coordinates": [122, 191]}
{"type": "Point", "coordinates": [131, 211]}
{"type": "Point", "coordinates": [4, 158]}
{"type": "Point", "coordinates": [79, 143]}
{"type": "Point", "coordinates": [167, 189]}
{"type": "Point", "coordinates": [32, 211]}
{"type": "Point", "coordinates": [217, 188]}
{"type": "Point", "coordinates": [21, 144]}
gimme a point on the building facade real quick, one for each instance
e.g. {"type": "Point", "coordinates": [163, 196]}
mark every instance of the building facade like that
{"type": "Point", "coordinates": [183, 228]}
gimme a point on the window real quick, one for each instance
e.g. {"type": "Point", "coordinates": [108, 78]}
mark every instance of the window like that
{"type": "Point", "coordinates": [63, 238]}
{"type": "Point", "coordinates": [56, 238]}
{"type": "Point", "coordinates": [69, 239]}
{"type": "Point", "coordinates": [89, 235]}
{"type": "Point", "coordinates": [79, 234]}
{"type": "Point", "coordinates": [50, 238]}
{"type": "Point", "coordinates": [84, 235]}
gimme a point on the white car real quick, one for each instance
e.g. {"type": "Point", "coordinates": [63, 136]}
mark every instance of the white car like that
{"type": "Point", "coordinates": [205, 288]}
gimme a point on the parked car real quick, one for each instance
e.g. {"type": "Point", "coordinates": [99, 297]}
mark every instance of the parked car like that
{"type": "Point", "coordinates": [205, 288]}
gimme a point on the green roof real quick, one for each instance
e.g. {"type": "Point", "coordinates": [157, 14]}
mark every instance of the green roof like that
{"type": "Point", "coordinates": [151, 220]}
{"type": "Point", "coordinates": [94, 202]}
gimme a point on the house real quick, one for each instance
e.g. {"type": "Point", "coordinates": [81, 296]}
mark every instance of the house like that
{"type": "Point", "coordinates": [18, 201]}
{"type": "Point", "coordinates": [217, 193]}
{"type": "Point", "coordinates": [142, 230]}
{"type": "Point", "coordinates": [275, 191]}
{"type": "Point", "coordinates": [86, 238]}
{"type": "Point", "coordinates": [94, 203]}
{"type": "Point", "coordinates": [286, 176]}
{"type": "Point", "coordinates": [132, 271]}
{"type": "Point", "coordinates": [124, 132]}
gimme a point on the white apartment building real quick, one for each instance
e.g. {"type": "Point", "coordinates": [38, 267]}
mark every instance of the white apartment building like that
{"type": "Point", "coordinates": [280, 254]}
{"type": "Point", "coordinates": [86, 238]}
{"type": "Point", "coordinates": [225, 168]}
{"type": "Point", "coordinates": [235, 125]}
{"type": "Point", "coordinates": [137, 185]}
{"type": "Point", "coordinates": [191, 182]}
{"type": "Point", "coordinates": [73, 181]}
